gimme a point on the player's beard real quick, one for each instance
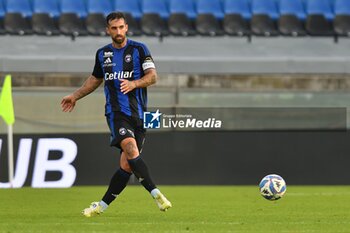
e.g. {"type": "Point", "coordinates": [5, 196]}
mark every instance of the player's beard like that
{"type": "Point", "coordinates": [119, 39]}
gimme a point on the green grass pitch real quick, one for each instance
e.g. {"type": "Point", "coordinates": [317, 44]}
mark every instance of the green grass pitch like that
{"type": "Point", "coordinates": [195, 209]}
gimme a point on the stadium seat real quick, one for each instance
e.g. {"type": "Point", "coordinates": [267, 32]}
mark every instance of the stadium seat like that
{"type": "Point", "coordinates": [132, 11]}
{"type": "Point", "coordinates": [292, 16]}
{"type": "Point", "coordinates": [50, 7]}
{"type": "Point", "coordinates": [97, 11]}
{"type": "Point", "coordinates": [319, 18]}
{"type": "Point", "coordinates": [209, 17]}
{"type": "Point", "coordinates": [154, 18]}
{"type": "Point", "coordinates": [237, 14]}
{"type": "Point", "coordinates": [71, 21]}
{"type": "Point", "coordinates": [129, 6]}
{"type": "Point", "coordinates": [155, 6]}
{"type": "Point", "coordinates": [134, 28]}
{"type": "Point", "coordinates": [181, 19]}
{"type": "Point", "coordinates": [17, 18]}
{"type": "Point", "coordinates": [99, 6]}
{"type": "Point", "coordinates": [342, 17]}
{"type": "Point", "coordinates": [2, 14]}
{"type": "Point", "coordinates": [19, 6]}
{"type": "Point", "coordinates": [77, 6]}
{"type": "Point", "coordinates": [210, 7]}
{"type": "Point", "coordinates": [183, 6]}
{"type": "Point", "coordinates": [241, 7]}
{"type": "Point", "coordinates": [264, 17]}
{"type": "Point", "coordinates": [43, 19]}
{"type": "Point", "coordinates": [314, 7]}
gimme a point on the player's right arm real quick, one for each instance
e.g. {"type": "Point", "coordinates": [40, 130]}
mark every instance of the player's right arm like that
{"type": "Point", "coordinates": [68, 102]}
{"type": "Point", "coordinates": [95, 80]}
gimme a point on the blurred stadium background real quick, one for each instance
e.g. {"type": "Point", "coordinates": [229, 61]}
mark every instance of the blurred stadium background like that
{"type": "Point", "coordinates": [211, 54]}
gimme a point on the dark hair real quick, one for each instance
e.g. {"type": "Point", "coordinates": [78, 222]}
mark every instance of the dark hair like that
{"type": "Point", "coordinates": [115, 15]}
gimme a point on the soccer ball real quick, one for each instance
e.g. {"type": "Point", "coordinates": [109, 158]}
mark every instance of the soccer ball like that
{"type": "Point", "coordinates": [272, 187]}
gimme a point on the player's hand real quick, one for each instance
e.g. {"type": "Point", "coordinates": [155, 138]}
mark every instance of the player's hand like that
{"type": "Point", "coordinates": [127, 86]}
{"type": "Point", "coordinates": [68, 103]}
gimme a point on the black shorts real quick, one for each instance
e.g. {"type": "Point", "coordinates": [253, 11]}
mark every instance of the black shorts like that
{"type": "Point", "coordinates": [123, 126]}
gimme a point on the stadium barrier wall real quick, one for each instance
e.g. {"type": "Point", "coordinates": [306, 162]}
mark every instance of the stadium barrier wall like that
{"type": "Point", "coordinates": [187, 158]}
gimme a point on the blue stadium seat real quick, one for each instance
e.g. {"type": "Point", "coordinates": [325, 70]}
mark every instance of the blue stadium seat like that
{"type": "Point", "coordinates": [268, 7]}
{"type": "Point", "coordinates": [182, 15]}
{"type": "Point", "coordinates": [183, 6]}
{"type": "Point", "coordinates": [265, 14]}
{"type": "Point", "coordinates": [74, 6]}
{"type": "Point", "coordinates": [129, 6]}
{"type": "Point", "coordinates": [19, 6]}
{"type": "Point", "coordinates": [2, 9]}
{"type": "Point", "coordinates": [2, 14]}
{"type": "Point", "coordinates": [342, 7]}
{"type": "Point", "coordinates": [292, 7]}
{"type": "Point", "coordinates": [319, 7]}
{"type": "Point", "coordinates": [213, 7]}
{"type": "Point", "coordinates": [95, 20]}
{"type": "Point", "coordinates": [155, 6]}
{"type": "Point", "coordinates": [241, 7]}
{"type": "Point", "coordinates": [71, 20]}
{"type": "Point", "coordinates": [45, 12]}
{"type": "Point", "coordinates": [50, 7]}
{"type": "Point", "coordinates": [292, 17]}
{"type": "Point", "coordinates": [319, 18]}
{"type": "Point", "coordinates": [341, 21]}
{"type": "Point", "coordinates": [154, 18]}
{"type": "Point", "coordinates": [99, 6]}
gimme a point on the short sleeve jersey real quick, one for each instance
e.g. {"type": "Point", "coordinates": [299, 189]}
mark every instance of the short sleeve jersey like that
{"type": "Point", "coordinates": [113, 65]}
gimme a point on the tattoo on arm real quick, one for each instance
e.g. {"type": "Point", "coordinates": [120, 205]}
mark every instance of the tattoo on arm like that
{"type": "Point", "coordinates": [147, 80]}
{"type": "Point", "coordinates": [89, 86]}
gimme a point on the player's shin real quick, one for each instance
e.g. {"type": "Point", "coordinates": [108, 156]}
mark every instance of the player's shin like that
{"type": "Point", "coordinates": [140, 170]}
{"type": "Point", "coordinates": [116, 185]}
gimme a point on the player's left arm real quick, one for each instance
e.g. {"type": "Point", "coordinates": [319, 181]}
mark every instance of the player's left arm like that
{"type": "Point", "coordinates": [148, 79]}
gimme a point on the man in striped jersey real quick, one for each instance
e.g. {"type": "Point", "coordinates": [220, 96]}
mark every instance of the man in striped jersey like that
{"type": "Point", "coordinates": [127, 69]}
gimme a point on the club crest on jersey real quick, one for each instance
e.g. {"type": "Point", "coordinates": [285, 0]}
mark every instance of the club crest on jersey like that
{"type": "Point", "coordinates": [128, 58]}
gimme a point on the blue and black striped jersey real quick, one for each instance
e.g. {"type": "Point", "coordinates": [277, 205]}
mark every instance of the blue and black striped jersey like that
{"type": "Point", "coordinates": [114, 64]}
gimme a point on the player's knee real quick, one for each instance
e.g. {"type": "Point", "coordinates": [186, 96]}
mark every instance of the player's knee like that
{"type": "Point", "coordinates": [130, 149]}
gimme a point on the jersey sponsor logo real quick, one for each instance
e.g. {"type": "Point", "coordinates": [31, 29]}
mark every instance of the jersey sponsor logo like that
{"type": "Point", "coordinates": [148, 63]}
{"type": "Point", "coordinates": [128, 58]}
{"type": "Point", "coordinates": [108, 54]}
{"type": "Point", "coordinates": [119, 75]}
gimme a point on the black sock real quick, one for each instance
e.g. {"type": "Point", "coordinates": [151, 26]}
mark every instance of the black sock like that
{"type": "Point", "coordinates": [140, 170]}
{"type": "Point", "coordinates": [116, 186]}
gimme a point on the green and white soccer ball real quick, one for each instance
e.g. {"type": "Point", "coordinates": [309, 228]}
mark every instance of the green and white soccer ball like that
{"type": "Point", "coordinates": [272, 187]}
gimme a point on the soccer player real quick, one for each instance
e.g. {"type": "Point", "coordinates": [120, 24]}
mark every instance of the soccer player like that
{"type": "Point", "coordinates": [127, 68]}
